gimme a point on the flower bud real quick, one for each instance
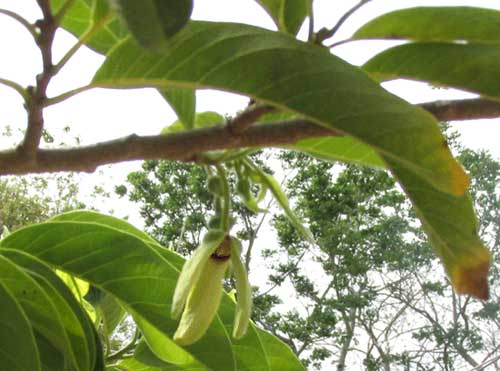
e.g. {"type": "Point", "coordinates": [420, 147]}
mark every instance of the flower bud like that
{"type": "Point", "coordinates": [204, 298]}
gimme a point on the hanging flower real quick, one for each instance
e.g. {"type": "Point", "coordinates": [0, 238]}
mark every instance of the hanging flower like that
{"type": "Point", "coordinates": [199, 288]}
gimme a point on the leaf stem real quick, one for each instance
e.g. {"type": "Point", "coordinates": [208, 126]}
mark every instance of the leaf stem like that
{"type": "Point", "coordinates": [311, 35]}
{"type": "Point", "coordinates": [341, 42]}
{"type": "Point", "coordinates": [31, 29]}
{"type": "Point", "coordinates": [70, 93]}
{"type": "Point", "coordinates": [16, 87]}
{"type": "Point", "coordinates": [226, 205]}
{"type": "Point", "coordinates": [325, 33]}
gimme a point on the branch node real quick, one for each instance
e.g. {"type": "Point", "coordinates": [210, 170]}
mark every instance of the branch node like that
{"type": "Point", "coordinates": [245, 119]}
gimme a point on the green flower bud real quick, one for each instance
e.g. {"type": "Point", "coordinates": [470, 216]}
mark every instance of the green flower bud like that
{"type": "Point", "coordinates": [204, 298]}
{"type": "Point", "coordinates": [214, 185]}
{"type": "Point", "coordinates": [192, 269]}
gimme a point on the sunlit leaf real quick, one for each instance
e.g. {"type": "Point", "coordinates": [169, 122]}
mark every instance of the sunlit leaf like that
{"type": "Point", "coordinates": [18, 349]}
{"type": "Point", "coordinates": [118, 259]}
{"type": "Point", "coordinates": [201, 120]}
{"type": "Point", "coordinates": [152, 22]}
{"type": "Point", "coordinates": [46, 313]}
{"type": "Point", "coordinates": [285, 73]}
{"type": "Point", "coordinates": [463, 66]}
{"type": "Point", "coordinates": [451, 225]}
{"type": "Point", "coordinates": [81, 16]}
{"type": "Point", "coordinates": [183, 102]}
{"type": "Point", "coordinates": [440, 23]}
{"type": "Point", "coordinates": [288, 15]}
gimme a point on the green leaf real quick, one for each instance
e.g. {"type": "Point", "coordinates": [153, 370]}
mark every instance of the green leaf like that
{"type": "Point", "coordinates": [451, 225]}
{"type": "Point", "coordinates": [82, 15]}
{"type": "Point", "coordinates": [346, 149]}
{"type": "Point", "coordinates": [152, 22]}
{"type": "Point", "coordinates": [18, 349]}
{"type": "Point", "coordinates": [121, 262]}
{"type": "Point", "coordinates": [201, 120]}
{"type": "Point", "coordinates": [183, 102]}
{"type": "Point", "coordinates": [463, 66]}
{"type": "Point", "coordinates": [145, 360]}
{"type": "Point", "coordinates": [78, 324]}
{"type": "Point", "coordinates": [288, 15]}
{"type": "Point", "coordinates": [46, 312]}
{"type": "Point", "coordinates": [295, 76]}
{"type": "Point", "coordinates": [334, 148]}
{"type": "Point", "coordinates": [442, 23]}
{"type": "Point", "coordinates": [164, 348]}
{"type": "Point", "coordinates": [112, 313]}
{"type": "Point", "coordinates": [94, 217]}
{"type": "Point", "coordinates": [100, 10]}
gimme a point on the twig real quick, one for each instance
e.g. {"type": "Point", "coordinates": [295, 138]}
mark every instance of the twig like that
{"type": "Point", "coordinates": [70, 93]}
{"type": "Point", "coordinates": [461, 110]}
{"type": "Point", "coordinates": [325, 33]}
{"type": "Point", "coordinates": [249, 116]}
{"type": "Point", "coordinates": [18, 88]}
{"type": "Point", "coordinates": [311, 35]}
{"type": "Point", "coordinates": [37, 94]}
{"type": "Point", "coordinates": [28, 26]}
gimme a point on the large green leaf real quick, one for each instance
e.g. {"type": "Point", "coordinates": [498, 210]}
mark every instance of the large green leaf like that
{"type": "Point", "coordinates": [183, 102]}
{"type": "Point", "coordinates": [335, 148]}
{"type": "Point", "coordinates": [18, 349]}
{"type": "Point", "coordinates": [81, 17]}
{"type": "Point", "coordinates": [441, 23]}
{"type": "Point", "coordinates": [201, 120]}
{"type": "Point", "coordinates": [346, 149]}
{"type": "Point", "coordinates": [46, 312]}
{"type": "Point", "coordinates": [122, 263]}
{"type": "Point", "coordinates": [296, 76]}
{"type": "Point", "coordinates": [111, 312]}
{"type": "Point", "coordinates": [78, 324]}
{"type": "Point", "coordinates": [152, 22]}
{"type": "Point", "coordinates": [450, 223]}
{"type": "Point", "coordinates": [288, 15]}
{"type": "Point", "coordinates": [472, 67]}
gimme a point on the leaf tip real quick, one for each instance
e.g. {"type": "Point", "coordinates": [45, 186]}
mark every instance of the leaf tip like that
{"type": "Point", "coordinates": [472, 279]}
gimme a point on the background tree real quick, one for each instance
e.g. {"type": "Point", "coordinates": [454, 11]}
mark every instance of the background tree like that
{"type": "Point", "coordinates": [381, 297]}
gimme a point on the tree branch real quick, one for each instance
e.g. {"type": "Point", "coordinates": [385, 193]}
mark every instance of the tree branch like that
{"type": "Point", "coordinates": [464, 109]}
{"type": "Point", "coordinates": [179, 146]}
{"type": "Point", "coordinates": [186, 146]}
{"type": "Point", "coordinates": [37, 95]}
